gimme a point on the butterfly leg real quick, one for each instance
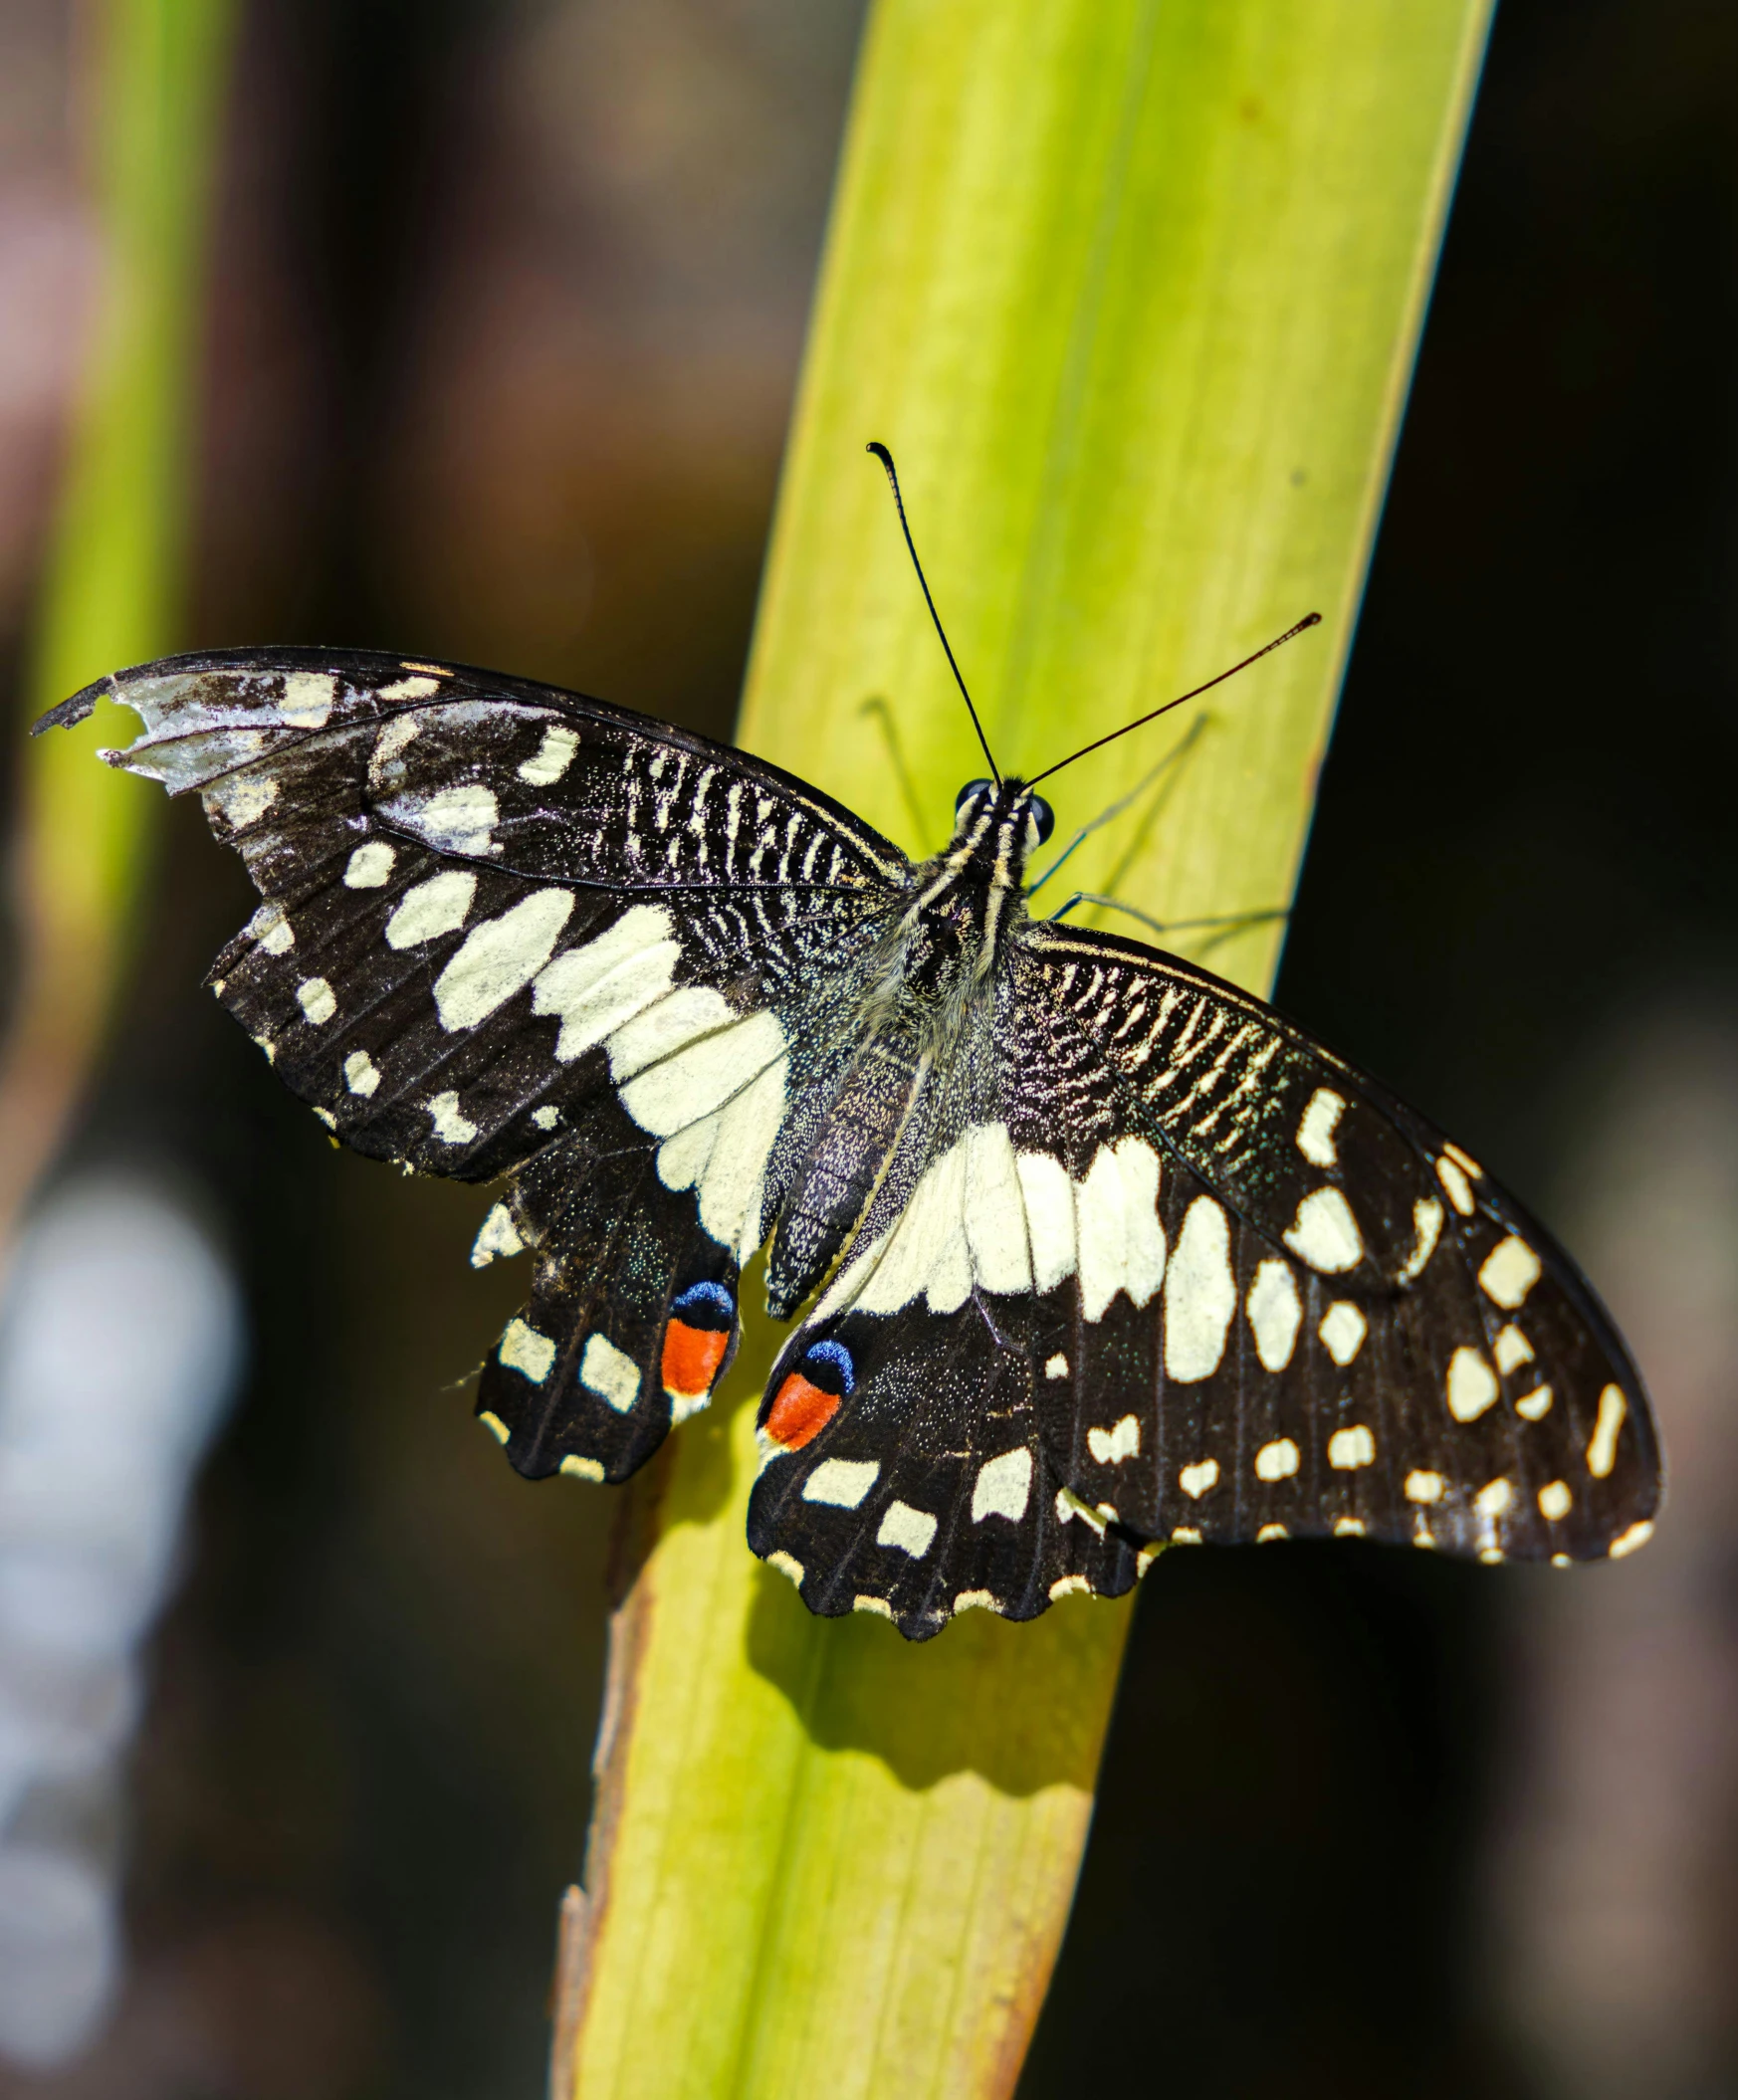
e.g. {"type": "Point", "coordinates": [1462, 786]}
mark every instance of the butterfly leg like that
{"type": "Point", "coordinates": [1227, 923]}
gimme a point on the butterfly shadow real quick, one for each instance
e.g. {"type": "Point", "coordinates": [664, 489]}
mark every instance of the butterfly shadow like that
{"type": "Point", "coordinates": [1023, 1706]}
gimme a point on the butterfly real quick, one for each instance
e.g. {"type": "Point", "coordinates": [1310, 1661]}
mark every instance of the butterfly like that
{"type": "Point", "coordinates": [1090, 1252]}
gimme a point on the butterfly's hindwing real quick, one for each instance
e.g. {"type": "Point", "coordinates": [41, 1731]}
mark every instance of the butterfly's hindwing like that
{"type": "Point", "coordinates": [633, 1313]}
{"type": "Point", "coordinates": [915, 1481]}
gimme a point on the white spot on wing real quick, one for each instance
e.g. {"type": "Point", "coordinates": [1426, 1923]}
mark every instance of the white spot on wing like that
{"type": "Point", "coordinates": [361, 1074]}
{"type": "Point", "coordinates": [497, 1235]}
{"type": "Point", "coordinates": [370, 866]}
{"type": "Point", "coordinates": [1277, 1460]}
{"type": "Point", "coordinates": [1047, 1197]}
{"type": "Point", "coordinates": [1601, 1451]}
{"type": "Point", "coordinates": [308, 699]}
{"type": "Point", "coordinates": [1315, 1133]}
{"type": "Point", "coordinates": [788, 1564]}
{"type": "Point", "coordinates": [1196, 1480]}
{"type": "Point", "coordinates": [1556, 1500]}
{"type": "Point", "coordinates": [524, 1350]}
{"type": "Point", "coordinates": [1636, 1536]}
{"type": "Point", "coordinates": [551, 758]}
{"type": "Point", "coordinates": [1002, 1486]}
{"type": "Point", "coordinates": [272, 930]}
{"type": "Point", "coordinates": [439, 905]}
{"type": "Point", "coordinates": [912, 1531]}
{"type": "Point", "coordinates": [1120, 1241]}
{"type": "Point", "coordinates": [451, 1124]}
{"type": "Point", "coordinates": [1110, 1446]}
{"type": "Point", "coordinates": [242, 801]}
{"type": "Point", "coordinates": [1343, 1330]}
{"type": "Point", "coordinates": [1324, 1233]}
{"type": "Point", "coordinates": [1200, 1293]}
{"type": "Point", "coordinates": [409, 689]}
{"type": "Point", "coordinates": [610, 1372]}
{"type": "Point", "coordinates": [1510, 1271]}
{"type": "Point", "coordinates": [1534, 1406]}
{"type": "Point", "coordinates": [1348, 1449]}
{"type": "Point", "coordinates": [1512, 1350]}
{"type": "Point", "coordinates": [1494, 1498]}
{"type": "Point", "coordinates": [995, 1223]}
{"type": "Point", "coordinates": [315, 998]}
{"type": "Point", "coordinates": [577, 1468]}
{"type": "Point", "coordinates": [1426, 1231]}
{"type": "Point", "coordinates": [546, 1118]}
{"type": "Point", "coordinates": [1472, 1386]}
{"type": "Point", "coordinates": [1274, 1313]}
{"type": "Point", "coordinates": [843, 1482]}
{"type": "Point", "coordinates": [711, 1085]}
{"type": "Point", "coordinates": [1459, 1187]}
{"type": "Point", "coordinates": [1056, 1366]}
{"type": "Point", "coordinates": [389, 746]}
{"type": "Point", "coordinates": [500, 957]}
{"type": "Point", "coordinates": [1425, 1487]}
{"type": "Point", "coordinates": [599, 986]}
{"type": "Point", "coordinates": [453, 819]}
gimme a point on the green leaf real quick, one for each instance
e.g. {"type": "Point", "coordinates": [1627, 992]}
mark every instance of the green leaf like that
{"type": "Point", "coordinates": [1133, 293]}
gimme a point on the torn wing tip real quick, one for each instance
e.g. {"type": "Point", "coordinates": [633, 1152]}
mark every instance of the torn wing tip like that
{"type": "Point", "coordinates": [70, 712]}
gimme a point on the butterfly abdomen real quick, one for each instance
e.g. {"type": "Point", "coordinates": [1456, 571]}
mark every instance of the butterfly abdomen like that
{"type": "Point", "coordinates": [837, 1181]}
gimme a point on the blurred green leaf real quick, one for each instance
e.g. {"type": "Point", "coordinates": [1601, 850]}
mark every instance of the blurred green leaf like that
{"type": "Point", "coordinates": [113, 584]}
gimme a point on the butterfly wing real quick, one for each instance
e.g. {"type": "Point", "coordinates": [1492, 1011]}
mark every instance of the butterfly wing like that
{"type": "Point", "coordinates": [1234, 1290]}
{"type": "Point", "coordinates": [1340, 1280]}
{"type": "Point", "coordinates": [506, 929]}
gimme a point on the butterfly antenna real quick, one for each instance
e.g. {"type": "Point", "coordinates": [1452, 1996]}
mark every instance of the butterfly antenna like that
{"type": "Point", "coordinates": [1313, 619]}
{"type": "Point", "coordinates": [886, 458]}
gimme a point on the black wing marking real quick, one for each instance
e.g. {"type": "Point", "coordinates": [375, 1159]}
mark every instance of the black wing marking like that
{"type": "Point", "coordinates": [508, 928]}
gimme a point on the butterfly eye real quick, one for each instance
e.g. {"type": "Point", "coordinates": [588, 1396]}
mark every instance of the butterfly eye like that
{"type": "Point", "coordinates": [1042, 818]}
{"type": "Point", "coordinates": [970, 793]}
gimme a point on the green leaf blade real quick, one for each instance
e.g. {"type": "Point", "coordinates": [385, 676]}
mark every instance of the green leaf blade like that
{"type": "Point", "coordinates": [1133, 293]}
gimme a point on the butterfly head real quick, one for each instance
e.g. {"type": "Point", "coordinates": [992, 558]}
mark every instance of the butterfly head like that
{"type": "Point", "coordinates": [985, 811]}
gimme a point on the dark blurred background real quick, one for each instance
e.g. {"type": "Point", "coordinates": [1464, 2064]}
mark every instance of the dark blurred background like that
{"type": "Point", "coordinates": [505, 316]}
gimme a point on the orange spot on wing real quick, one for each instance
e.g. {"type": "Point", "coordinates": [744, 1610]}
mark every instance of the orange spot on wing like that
{"type": "Point", "coordinates": [800, 1412]}
{"type": "Point", "coordinates": [691, 1356]}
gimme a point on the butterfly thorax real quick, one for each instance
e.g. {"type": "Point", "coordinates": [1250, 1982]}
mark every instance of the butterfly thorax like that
{"type": "Point", "coordinates": [928, 988]}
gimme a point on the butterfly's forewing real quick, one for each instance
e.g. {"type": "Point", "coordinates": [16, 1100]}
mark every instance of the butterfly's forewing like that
{"type": "Point", "coordinates": [1451, 1377]}
{"type": "Point", "coordinates": [508, 929]}
{"type": "Point", "coordinates": [1245, 1293]}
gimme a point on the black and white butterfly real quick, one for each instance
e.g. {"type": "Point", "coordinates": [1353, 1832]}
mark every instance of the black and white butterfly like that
{"type": "Point", "coordinates": [1095, 1253]}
